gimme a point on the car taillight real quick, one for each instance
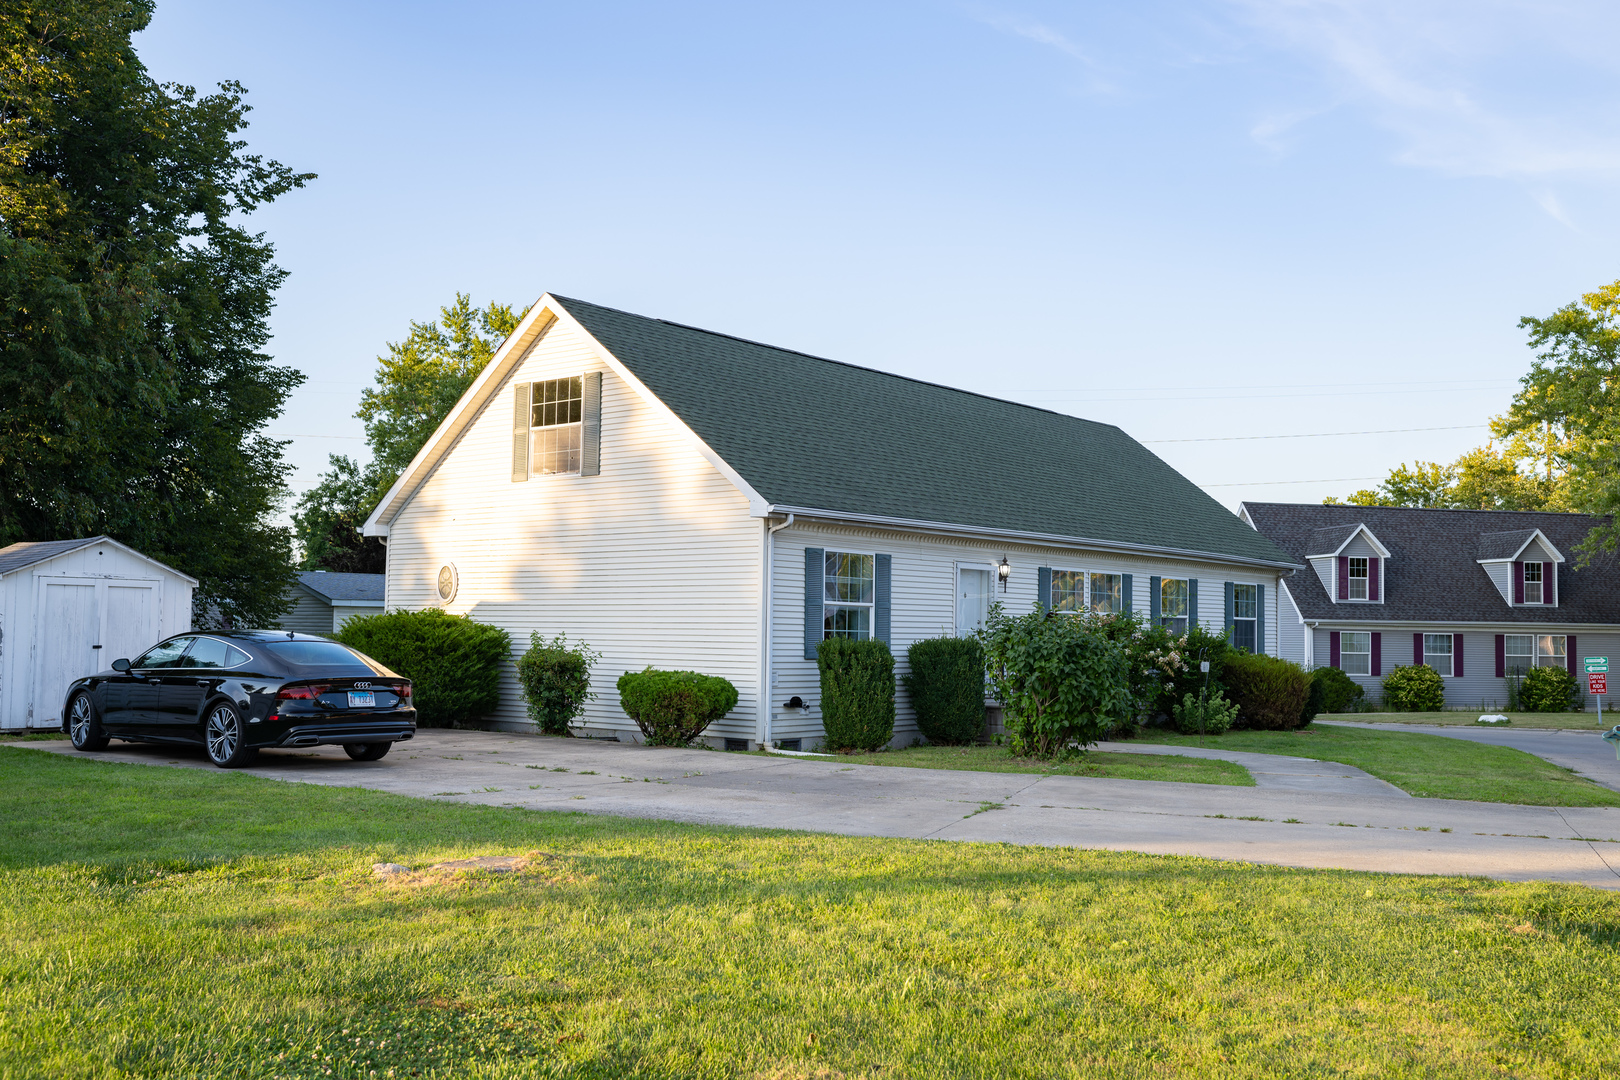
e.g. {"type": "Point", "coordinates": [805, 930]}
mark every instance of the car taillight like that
{"type": "Point", "coordinates": [405, 691]}
{"type": "Point", "coordinates": [300, 693]}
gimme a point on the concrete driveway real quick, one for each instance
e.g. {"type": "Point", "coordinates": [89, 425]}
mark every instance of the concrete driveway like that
{"type": "Point", "coordinates": [1281, 825]}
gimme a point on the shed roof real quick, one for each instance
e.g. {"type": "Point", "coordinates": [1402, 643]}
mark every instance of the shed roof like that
{"type": "Point", "coordinates": [26, 553]}
{"type": "Point", "coordinates": [331, 586]}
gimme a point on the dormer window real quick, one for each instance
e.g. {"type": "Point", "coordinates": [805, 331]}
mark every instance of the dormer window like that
{"type": "Point", "coordinates": [1532, 583]}
{"type": "Point", "coordinates": [1358, 578]}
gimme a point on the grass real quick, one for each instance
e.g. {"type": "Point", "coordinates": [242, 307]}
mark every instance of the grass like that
{"type": "Point", "coordinates": [1569, 721]}
{"type": "Point", "coordinates": [163, 922]}
{"type": "Point", "coordinates": [1428, 766]}
{"type": "Point", "coordinates": [1114, 766]}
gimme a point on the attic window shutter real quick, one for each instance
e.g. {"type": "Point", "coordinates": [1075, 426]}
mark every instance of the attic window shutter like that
{"type": "Point", "coordinates": [520, 432]}
{"type": "Point", "coordinates": [1043, 586]}
{"type": "Point", "coordinates": [882, 566]}
{"type": "Point", "coordinates": [1126, 601]}
{"type": "Point", "coordinates": [1518, 583]}
{"type": "Point", "coordinates": [1260, 618]}
{"type": "Point", "coordinates": [815, 565]}
{"type": "Point", "coordinates": [1374, 585]}
{"type": "Point", "coordinates": [1377, 653]}
{"type": "Point", "coordinates": [1192, 603]}
{"type": "Point", "coordinates": [590, 427]}
{"type": "Point", "coordinates": [1344, 577]}
{"type": "Point", "coordinates": [1155, 595]}
{"type": "Point", "coordinates": [1549, 583]}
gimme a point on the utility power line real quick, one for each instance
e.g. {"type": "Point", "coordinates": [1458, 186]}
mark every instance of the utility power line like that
{"type": "Point", "coordinates": [1270, 483]}
{"type": "Point", "coordinates": [1321, 434]}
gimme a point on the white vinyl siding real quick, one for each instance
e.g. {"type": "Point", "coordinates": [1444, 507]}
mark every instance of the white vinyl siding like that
{"type": "Point", "coordinates": [309, 615]}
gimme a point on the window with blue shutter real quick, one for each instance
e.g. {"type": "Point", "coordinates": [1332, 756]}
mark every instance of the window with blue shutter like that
{"type": "Point", "coordinates": [814, 568]}
{"type": "Point", "coordinates": [1260, 618]}
{"type": "Point", "coordinates": [1155, 586]}
{"type": "Point", "coordinates": [1126, 598]}
{"type": "Point", "coordinates": [1243, 612]}
{"type": "Point", "coordinates": [1043, 586]}
{"type": "Point", "coordinates": [882, 571]}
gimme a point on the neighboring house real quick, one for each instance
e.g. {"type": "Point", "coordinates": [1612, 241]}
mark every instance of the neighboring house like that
{"type": "Point", "coordinates": [69, 608]}
{"type": "Point", "coordinates": [685, 499]}
{"type": "Point", "coordinates": [324, 601]}
{"type": "Point", "coordinates": [1479, 595]}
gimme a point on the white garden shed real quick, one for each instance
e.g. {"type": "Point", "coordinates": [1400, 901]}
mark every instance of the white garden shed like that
{"type": "Point", "coordinates": [69, 608]}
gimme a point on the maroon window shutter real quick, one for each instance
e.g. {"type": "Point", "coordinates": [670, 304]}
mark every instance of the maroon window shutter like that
{"type": "Point", "coordinates": [1456, 655]}
{"type": "Point", "coordinates": [1417, 650]}
{"type": "Point", "coordinates": [1377, 653]}
{"type": "Point", "coordinates": [1549, 583]}
{"type": "Point", "coordinates": [1569, 653]}
{"type": "Point", "coordinates": [1518, 583]}
{"type": "Point", "coordinates": [1344, 577]}
{"type": "Point", "coordinates": [1501, 656]}
{"type": "Point", "coordinates": [1372, 579]}
{"type": "Point", "coordinates": [1333, 648]}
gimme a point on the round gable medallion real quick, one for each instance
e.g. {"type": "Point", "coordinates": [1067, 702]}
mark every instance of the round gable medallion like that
{"type": "Point", "coordinates": [447, 582]}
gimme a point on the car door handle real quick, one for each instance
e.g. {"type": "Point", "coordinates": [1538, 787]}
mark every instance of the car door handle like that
{"type": "Point", "coordinates": [202, 682]}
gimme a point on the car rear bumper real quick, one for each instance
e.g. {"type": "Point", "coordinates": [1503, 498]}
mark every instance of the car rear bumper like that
{"type": "Point", "coordinates": [329, 734]}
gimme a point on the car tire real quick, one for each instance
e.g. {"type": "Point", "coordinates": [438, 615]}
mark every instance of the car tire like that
{"type": "Point", "coordinates": [84, 726]}
{"type": "Point", "coordinates": [367, 751]}
{"type": "Point", "coordinates": [225, 736]}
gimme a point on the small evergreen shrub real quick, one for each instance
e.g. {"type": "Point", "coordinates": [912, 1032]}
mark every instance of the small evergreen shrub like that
{"type": "Point", "coordinates": [1207, 714]}
{"type": "Point", "coordinates": [1417, 688]}
{"type": "Point", "coordinates": [857, 693]}
{"type": "Point", "coordinates": [1548, 689]}
{"type": "Point", "coordinates": [673, 707]}
{"type": "Point", "coordinates": [556, 681]}
{"type": "Point", "coordinates": [1062, 680]}
{"type": "Point", "coordinates": [454, 663]}
{"type": "Point", "coordinates": [1270, 693]}
{"type": "Point", "coordinates": [1332, 691]}
{"type": "Point", "coordinates": [946, 684]}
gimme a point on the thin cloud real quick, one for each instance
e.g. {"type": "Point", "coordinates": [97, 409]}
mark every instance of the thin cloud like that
{"type": "Point", "coordinates": [1042, 34]}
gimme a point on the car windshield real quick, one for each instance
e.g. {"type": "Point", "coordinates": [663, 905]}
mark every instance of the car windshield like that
{"type": "Point", "coordinates": [314, 653]}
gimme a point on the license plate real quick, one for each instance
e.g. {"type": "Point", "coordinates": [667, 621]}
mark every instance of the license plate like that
{"type": "Point", "coordinates": [362, 699]}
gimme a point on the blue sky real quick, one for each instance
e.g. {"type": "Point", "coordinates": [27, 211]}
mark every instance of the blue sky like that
{"type": "Point", "coordinates": [1202, 221]}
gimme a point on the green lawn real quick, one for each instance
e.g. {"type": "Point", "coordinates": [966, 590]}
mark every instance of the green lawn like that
{"type": "Point", "coordinates": [1428, 766]}
{"type": "Point", "coordinates": [1187, 770]}
{"type": "Point", "coordinates": [1576, 721]}
{"type": "Point", "coordinates": [184, 923]}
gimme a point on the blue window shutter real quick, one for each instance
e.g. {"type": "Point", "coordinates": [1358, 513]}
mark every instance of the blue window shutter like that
{"type": "Point", "coordinates": [590, 428]}
{"type": "Point", "coordinates": [881, 572]}
{"type": "Point", "coordinates": [1259, 618]}
{"type": "Point", "coordinates": [1228, 623]}
{"type": "Point", "coordinates": [1043, 586]}
{"type": "Point", "coordinates": [815, 565]}
{"type": "Point", "coordinates": [1155, 598]}
{"type": "Point", "coordinates": [1125, 592]}
{"type": "Point", "coordinates": [1192, 603]}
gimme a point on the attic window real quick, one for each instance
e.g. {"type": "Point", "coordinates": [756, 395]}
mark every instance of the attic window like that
{"type": "Point", "coordinates": [557, 409]}
{"type": "Point", "coordinates": [1358, 578]}
{"type": "Point", "coordinates": [1532, 583]}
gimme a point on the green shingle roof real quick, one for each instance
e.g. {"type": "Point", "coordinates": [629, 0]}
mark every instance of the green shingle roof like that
{"type": "Point", "coordinates": [813, 433]}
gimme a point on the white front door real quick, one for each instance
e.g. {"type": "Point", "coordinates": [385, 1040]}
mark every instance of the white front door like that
{"type": "Point", "coordinates": [972, 599]}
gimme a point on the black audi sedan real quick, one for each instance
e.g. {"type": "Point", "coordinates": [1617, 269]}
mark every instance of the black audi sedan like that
{"type": "Point", "coordinates": [235, 692]}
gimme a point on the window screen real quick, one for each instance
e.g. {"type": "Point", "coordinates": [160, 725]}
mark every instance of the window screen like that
{"type": "Point", "coordinates": [1068, 590]}
{"type": "Point", "coordinates": [1437, 652]}
{"type": "Point", "coordinates": [848, 589]}
{"type": "Point", "coordinates": [1107, 594]}
{"type": "Point", "coordinates": [557, 408]}
{"type": "Point", "coordinates": [1355, 652]}
{"type": "Point", "coordinates": [1245, 606]}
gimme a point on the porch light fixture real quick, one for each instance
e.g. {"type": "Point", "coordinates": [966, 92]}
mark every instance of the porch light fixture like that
{"type": "Point", "coordinates": [1004, 571]}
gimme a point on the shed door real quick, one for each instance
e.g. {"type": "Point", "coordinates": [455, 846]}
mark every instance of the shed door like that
{"type": "Point", "coordinates": [131, 626]}
{"type": "Point", "coordinates": [972, 599]}
{"type": "Point", "coordinates": [67, 626]}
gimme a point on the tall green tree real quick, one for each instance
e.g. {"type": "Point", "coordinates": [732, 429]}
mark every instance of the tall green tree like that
{"type": "Point", "coordinates": [1497, 476]}
{"type": "Point", "coordinates": [418, 381]}
{"type": "Point", "coordinates": [133, 308]}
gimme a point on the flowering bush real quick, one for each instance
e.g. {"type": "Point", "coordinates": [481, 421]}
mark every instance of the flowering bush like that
{"type": "Point", "coordinates": [1061, 681]}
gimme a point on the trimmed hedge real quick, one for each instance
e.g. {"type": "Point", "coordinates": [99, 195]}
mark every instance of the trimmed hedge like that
{"type": "Point", "coordinates": [1332, 691]}
{"type": "Point", "coordinates": [946, 684]}
{"type": "Point", "coordinates": [1270, 693]}
{"type": "Point", "coordinates": [556, 681]}
{"type": "Point", "coordinates": [454, 664]}
{"type": "Point", "coordinates": [673, 707]}
{"type": "Point", "coordinates": [1417, 688]}
{"type": "Point", "coordinates": [1548, 689]}
{"type": "Point", "coordinates": [857, 693]}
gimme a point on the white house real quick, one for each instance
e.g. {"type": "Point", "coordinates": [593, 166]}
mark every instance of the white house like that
{"type": "Point", "coordinates": [686, 499]}
{"type": "Point", "coordinates": [69, 608]}
{"type": "Point", "coordinates": [323, 601]}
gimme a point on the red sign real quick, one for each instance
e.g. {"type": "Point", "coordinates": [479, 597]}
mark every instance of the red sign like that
{"type": "Point", "coordinates": [1597, 683]}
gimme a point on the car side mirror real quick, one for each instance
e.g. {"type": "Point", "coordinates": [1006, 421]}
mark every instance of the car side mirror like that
{"type": "Point", "coordinates": [120, 665]}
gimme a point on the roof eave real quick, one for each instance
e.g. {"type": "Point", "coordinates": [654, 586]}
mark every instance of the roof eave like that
{"type": "Point", "coordinates": [807, 513]}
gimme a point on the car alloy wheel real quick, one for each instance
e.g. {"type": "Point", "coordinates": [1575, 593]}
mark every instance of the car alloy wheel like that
{"type": "Point", "coordinates": [223, 734]}
{"type": "Point", "coordinates": [83, 727]}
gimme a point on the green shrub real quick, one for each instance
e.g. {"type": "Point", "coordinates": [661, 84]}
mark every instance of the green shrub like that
{"type": "Point", "coordinates": [673, 707]}
{"type": "Point", "coordinates": [1156, 664]}
{"type": "Point", "coordinates": [1417, 688]}
{"type": "Point", "coordinates": [556, 681]}
{"type": "Point", "coordinates": [1332, 691]}
{"type": "Point", "coordinates": [1548, 689]}
{"type": "Point", "coordinates": [1270, 693]}
{"type": "Point", "coordinates": [946, 684]}
{"type": "Point", "coordinates": [1204, 714]}
{"type": "Point", "coordinates": [454, 664]}
{"type": "Point", "coordinates": [1061, 681]}
{"type": "Point", "coordinates": [857, 693]}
